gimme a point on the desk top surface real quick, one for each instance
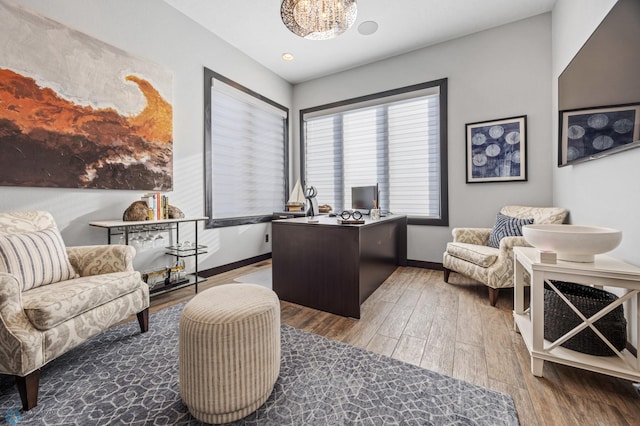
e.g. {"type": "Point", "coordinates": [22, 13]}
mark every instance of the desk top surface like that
{"type": "Point", "coordinates": [334, 221]}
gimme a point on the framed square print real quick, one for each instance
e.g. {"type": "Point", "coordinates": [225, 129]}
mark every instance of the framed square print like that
{"type": "Point", "coordinates": [587, 134]}
{"type": "Point", "coordinates": [497, 150]}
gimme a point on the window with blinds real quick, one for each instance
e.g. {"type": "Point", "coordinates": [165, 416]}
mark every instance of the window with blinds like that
{"type": "Point", "coordinates": [396, 139]}
{"type": "Point", "coordinates": [245, 151]}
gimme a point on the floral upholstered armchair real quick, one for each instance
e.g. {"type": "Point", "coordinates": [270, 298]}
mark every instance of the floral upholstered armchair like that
{"type": "Point", "coordinates": [471, 252]}
{"type": "Point", "coordinates": [54, 298]}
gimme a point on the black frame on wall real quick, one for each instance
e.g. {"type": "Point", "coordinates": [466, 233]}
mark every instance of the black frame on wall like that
{"type": "Point", "coordinates": [442, 85]}
{"type": "Point", "coordinates": [208, 196]}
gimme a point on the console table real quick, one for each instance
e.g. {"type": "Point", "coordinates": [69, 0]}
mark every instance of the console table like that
{"type": "Point", "coordinates": [334, 267]}
{"type": "Point", "coordinates": [124, 228]}
{"type": "Point", "coordinates": [605, 271]}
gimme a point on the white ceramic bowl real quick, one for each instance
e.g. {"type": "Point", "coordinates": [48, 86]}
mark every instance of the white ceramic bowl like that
{"type": "Point", "coordinates": [575, 243]}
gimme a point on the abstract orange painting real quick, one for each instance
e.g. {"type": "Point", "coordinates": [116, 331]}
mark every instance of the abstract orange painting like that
{"type": "Point", "coordinates": [79, 113]}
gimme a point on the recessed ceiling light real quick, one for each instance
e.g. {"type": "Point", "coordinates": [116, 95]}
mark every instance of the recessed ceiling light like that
{"type": "Point", "coordinates": [287, 57]}
{"type": "Point", "coordinates": [368, 27]}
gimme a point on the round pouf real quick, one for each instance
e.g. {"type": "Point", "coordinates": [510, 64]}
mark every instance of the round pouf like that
{"type": "Point", "coordinates": [229, 350]}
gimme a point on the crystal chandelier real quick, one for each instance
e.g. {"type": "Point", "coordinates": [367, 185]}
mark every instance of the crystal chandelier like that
{"type": "Point", "coordinates": [318, 19]}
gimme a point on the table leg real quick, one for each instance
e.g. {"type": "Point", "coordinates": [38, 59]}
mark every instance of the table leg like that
{"type": "Point", "coordinates": [537, 320]}
{"type": "Point", "coordinates": [518, 293]}
{"type": "Point", "coordinates": [536, 366]}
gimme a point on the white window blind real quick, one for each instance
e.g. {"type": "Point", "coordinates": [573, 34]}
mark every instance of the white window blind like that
{"type": "Point", "coordinates": [248, 138]}
{"type": "Point", "coordinates": [394, 143]}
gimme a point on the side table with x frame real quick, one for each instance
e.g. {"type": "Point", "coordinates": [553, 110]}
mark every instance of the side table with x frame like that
{"type": "Point", "coordinates": [529, 320]}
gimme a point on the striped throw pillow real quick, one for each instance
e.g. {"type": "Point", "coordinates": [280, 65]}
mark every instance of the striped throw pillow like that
{"type": "Point", "coordinates": [36, 258]}
{"type": "Point", "coordinates": [506, 226]}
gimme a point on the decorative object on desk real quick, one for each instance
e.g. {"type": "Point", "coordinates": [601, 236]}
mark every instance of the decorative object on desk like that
{"type": "Point", "coordinates": [137, 211]}
{"type": "Point", "coordinates": [294, 207]}
{"type": "Point", "coordinates": [104, 122]}
{"type": "Point", "coordinates": [347, 215]}
{"type": "Point", "coordinates": [374, 213]}
{"type": "Point", "coordinates": [296, 199]}
{"type": "Point", "coordinates": [559, 318]}
{"type": "Point", "coordinates": [588, 134]}
{"type": "Point", "coordinates": [497, 150]}
{"type": "Point", "coordinates": [310, 194]}
{"type": "Point", "coordinates": [325, 208]}
{"type": "Point", "coordinates": [351, 221]}
{"type": "Point", "coordinates": [351, 218]}
{"type": "Point", "coordinates": [573, 243]}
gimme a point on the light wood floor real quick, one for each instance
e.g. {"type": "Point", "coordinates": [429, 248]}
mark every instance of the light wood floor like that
{"type": "Point", "coordinates": [450, 328]}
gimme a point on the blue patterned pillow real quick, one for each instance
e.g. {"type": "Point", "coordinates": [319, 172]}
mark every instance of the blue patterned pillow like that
{"type": "Point", "coordinates": [506, 226]}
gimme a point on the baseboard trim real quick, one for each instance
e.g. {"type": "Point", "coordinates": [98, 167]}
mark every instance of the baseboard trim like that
{"type": "Point", "coordinates": [234, 265]}
{"type": "Point", "coordinates": [425, 265]}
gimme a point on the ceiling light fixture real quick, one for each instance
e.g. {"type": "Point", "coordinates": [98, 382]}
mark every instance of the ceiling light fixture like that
{"type": "Point", "coordinates": [287, 57]}
{"type": "Point", "coordinates": [318, 19]}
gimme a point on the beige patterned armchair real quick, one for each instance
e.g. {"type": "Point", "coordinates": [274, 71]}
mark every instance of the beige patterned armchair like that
{"type": "Point", "coordinates": [470, 255]}
{"type": "Point", "coordinates": [54, 298]}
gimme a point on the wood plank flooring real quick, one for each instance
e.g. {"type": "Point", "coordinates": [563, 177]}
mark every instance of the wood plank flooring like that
{"type": "Point", "coordinates": [450, 328]}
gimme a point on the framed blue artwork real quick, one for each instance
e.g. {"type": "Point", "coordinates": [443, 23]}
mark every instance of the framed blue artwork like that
{"type": "Point", "coordinates": [588, 134]}
{"type": "Point", "coordinates": [497, 150]}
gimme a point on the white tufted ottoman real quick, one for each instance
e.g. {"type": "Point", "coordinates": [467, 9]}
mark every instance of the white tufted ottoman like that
{"type": "Point", "coordinates": [229, 351]}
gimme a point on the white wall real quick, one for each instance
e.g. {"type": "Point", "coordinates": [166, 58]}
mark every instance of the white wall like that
{"type": "Point", "coordinates": [605, 191]}
{"type": "Point", "coordinates": [502, 72]}
{"type": "Point", "coordinates": [153, 30]}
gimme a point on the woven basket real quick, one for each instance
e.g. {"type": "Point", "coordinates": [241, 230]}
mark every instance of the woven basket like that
{"type": "Point", "coordinates": [560, 319]}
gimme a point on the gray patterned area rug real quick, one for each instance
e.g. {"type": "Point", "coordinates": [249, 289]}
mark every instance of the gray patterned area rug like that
{"type": "Point", "coordinates": [124, 377]}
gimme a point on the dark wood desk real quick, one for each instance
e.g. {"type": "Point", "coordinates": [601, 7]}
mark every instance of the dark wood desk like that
{"type": "Point", "coordinates": [334, 267]}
